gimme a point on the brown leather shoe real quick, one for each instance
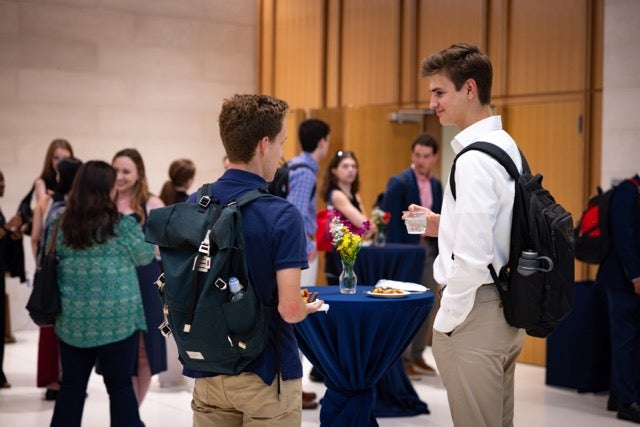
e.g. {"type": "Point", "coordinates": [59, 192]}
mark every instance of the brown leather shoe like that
{"type": "Point", "coordinates": [309, 404]}
{"type": "Point", "coordinates": [424, 368]}
{"type": "Point", "coordinates": [309, 395]}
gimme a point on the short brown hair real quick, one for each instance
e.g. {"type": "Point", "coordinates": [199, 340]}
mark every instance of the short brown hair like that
{"type": "Point", "coordinates": [461, 62]}
{"type": "Point", "coordinates": [245, 120]}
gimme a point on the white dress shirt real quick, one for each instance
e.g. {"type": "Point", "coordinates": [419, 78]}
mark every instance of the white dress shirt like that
{"type": "Point", "coordinates": [475, 228]}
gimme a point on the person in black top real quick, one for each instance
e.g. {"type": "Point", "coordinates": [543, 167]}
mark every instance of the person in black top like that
{"type": "Point", "coordinates": [9, 231]}
{"type": "Point", "coordinates": [340, 189]}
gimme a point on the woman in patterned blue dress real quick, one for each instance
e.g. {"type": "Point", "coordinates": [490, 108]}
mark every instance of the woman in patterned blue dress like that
{"type": "Point", "coordinates": [133, 198]}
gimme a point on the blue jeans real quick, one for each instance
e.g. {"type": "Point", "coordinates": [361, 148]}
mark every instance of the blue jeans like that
{"type": "Point", "coordinates": [117, 360]}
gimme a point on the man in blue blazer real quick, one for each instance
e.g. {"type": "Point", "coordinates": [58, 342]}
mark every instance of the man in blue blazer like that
{"type": "Point", "coordinates": [417, 185]}
{"type": "Point", "coordinates": [620, 275]}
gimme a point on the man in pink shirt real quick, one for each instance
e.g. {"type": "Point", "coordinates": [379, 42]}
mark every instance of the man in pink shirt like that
{"type": "Point", "coordinates": [416, 185]}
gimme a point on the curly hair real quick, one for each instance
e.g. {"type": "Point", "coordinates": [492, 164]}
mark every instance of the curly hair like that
{"type": "Point", "coordinates": [245, 119]}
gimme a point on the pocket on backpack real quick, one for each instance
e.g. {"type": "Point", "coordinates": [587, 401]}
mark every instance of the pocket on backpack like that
{"type": "Point", "coordinates": [248, 324]}
{"type": "Point", "coordinates": [241, 316]}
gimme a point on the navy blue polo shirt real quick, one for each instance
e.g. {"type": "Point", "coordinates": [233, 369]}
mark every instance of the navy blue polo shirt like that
{"type": "Point", "coordinates": [274, 240]}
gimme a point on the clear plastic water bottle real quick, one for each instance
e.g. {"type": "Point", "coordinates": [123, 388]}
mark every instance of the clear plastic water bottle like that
{"type": "Point", "coordinates": [236, 289]}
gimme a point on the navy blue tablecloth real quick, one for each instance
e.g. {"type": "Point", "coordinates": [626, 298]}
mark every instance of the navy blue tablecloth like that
{"type": "Point", "coordinates": [354, 344]}
{"type": "Point", "coordinates": [393, 261]}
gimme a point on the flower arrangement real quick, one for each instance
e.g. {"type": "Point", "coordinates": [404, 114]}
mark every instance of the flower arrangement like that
{"type": "Point", "coordinates": [346, 239]}
{"type": "Point", "coordinates": [380, 218]}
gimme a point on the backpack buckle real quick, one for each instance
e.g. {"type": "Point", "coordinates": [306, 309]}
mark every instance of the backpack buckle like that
{"type": "Point", "coordinates": [204, 201]}
{"type": "Point", "coordinates": [165, 329]}
{"type": "Point", "coordinates": [204, 245]}
{"type": "Point", "coordinates": [202, 263]}
{"type": "Point", "coordinates": [220, 284]}
{"type": "Point", "coordinates": [160, 282]}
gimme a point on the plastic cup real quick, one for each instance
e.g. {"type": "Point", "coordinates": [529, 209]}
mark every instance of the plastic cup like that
{"type": "Point", "coordinates": [415, 221]}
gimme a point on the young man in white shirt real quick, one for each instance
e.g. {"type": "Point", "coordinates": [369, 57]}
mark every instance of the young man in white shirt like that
{"type": "Point", "coordinates": [474, 347]}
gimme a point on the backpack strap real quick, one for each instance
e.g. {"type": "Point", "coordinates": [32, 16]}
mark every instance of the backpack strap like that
{"type": "Point", "coordinates": [501, 157]}
{"type": "Point", "coordinates": [202, 260]}
{"type": "Point", "coordinates": [203, 198]}
{"type": "Point", "coordinates": [498, 154]}
{"type": "Point", "coordinates": [249, 196]}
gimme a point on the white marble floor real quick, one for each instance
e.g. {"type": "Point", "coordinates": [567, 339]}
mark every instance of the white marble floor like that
{"type": "Point", "coordinates": [537, 405]}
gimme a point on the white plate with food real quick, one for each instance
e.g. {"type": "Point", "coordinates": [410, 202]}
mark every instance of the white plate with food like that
{"type": "Point", "coordinates": [386, 293]}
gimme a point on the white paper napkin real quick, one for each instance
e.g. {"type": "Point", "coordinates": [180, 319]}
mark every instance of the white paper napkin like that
{"type": "Point", "coordinates": [324, 307]}
{"type": "Point", "coordinates": [403, 286]}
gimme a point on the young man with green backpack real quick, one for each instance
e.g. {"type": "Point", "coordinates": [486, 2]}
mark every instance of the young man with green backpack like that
{"type": "Point", "coordinates": [266, 386]}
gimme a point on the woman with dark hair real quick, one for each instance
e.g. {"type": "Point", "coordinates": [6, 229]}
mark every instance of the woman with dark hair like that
{"type": "Point", "coordinates": [46, 212]}
{"type": "Point", "coordinates": [134, 199]}
{"type": "Point", "coordinates": [43, 214]}
{"type": "Point", "coordinates": [99, 249]}
{"type": "Point", "coordinates": [181, 173]}
{"type": "Point", "coordinates": [340, 189]}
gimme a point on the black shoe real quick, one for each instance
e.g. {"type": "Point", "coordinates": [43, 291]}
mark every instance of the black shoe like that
{"type": "Point", "coordinates": [612, 403]}
{"type": "Point", "coordinates": [315, 376]}
{"type": "Point", "coordinates": [3, 381]}
{"type": "Point", "coordinates": [51, 394]}
{"type": "Point", "coordinates": [630, 412]}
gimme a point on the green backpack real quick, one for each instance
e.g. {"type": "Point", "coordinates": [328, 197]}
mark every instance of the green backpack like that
{"type": "Point", "coordinates": [202, 247]}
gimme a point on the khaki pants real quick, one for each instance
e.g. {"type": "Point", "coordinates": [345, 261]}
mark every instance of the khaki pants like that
{"type": "Point", "coordinates": [477, 364]}
{"type": "Point", "coordinates": [245, 400]}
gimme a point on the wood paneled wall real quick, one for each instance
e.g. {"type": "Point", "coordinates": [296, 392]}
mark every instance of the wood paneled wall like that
{"type": "Point", "coordinates": [353, 62]}
{"type": "Point", "coordinates": [444, 22]}
{"type": "Point", "coordinates": [367, 72]}
{"type": "Point", "coordinates": [547, 49]}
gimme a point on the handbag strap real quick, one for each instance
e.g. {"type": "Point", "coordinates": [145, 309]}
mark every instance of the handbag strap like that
{"type": "Point", "coordinates": [51, 247]}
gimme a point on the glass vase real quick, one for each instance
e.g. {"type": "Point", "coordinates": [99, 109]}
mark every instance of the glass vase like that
{"type": "Point", "coordinates": [380, 238]}
{"type": "Point", "coordinates": [348, 279]}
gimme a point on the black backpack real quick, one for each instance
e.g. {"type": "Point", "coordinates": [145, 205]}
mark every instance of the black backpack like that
{"type": "Point", "coordinates": [593, 231]}
{"type": "Point", "coordinates": [280, 184]}
{"type": "Point", "coordinates": [536, 284]}
{"type": "Point", "coordinates": [202, 247]}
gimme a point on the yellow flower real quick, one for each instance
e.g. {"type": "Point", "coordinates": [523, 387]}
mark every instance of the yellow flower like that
{"type": "Point", "coordinates": [347, 243]}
